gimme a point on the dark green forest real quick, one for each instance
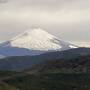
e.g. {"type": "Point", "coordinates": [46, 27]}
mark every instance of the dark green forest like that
{"type": "Point", "coordinates": [73, 74]}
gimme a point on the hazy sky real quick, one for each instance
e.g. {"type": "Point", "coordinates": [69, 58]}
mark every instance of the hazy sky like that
{"type": "Point", "coordinates": [67, 19]}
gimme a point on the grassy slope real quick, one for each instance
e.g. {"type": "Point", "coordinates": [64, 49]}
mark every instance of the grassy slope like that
{"type": "Point", "coordinates": [55, 81]}
{"type": "Point", "coordinates": [5, 75]}
{"type": "Point", "coordinates": [6, 87]}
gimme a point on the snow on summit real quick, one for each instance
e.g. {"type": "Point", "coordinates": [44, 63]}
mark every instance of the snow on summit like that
{"type": "Point", "coordinates": [38, 39]}
{"type": "Point", "coordinates": [33, 42]}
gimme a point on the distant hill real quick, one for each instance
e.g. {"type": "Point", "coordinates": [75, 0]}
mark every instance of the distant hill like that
{"type": "Point", "coordinates": [80, 64]}
{"type": "Point", "coordinates": [61, 74]}
{"type": "Point", "coordinates": [19, 63]}
{"type": "Point", "coordinates": [56, 74]}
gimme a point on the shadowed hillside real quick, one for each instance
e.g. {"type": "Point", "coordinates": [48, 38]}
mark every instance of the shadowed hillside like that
{"type": "Point", "coordinates": [19, 63]}
{"type": "Point", "coordinates": [59, 74]}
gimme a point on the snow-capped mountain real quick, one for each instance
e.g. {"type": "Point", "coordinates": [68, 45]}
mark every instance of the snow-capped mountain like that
{"type": "Point", "coordinates": [33, 42]}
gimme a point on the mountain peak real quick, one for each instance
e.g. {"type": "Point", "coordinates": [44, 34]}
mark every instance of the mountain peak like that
{"type": "Point", "coordinates": [37, 40]}
{"type": "Point", "coordinates": [35, 33]}
{"type": "Point", "coordinates": [38, 33]}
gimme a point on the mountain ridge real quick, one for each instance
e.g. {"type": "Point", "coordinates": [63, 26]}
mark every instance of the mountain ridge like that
{"type": "Point", "coordinates": [19, 63]}
{"type": "Point", "coordinates": [34, 40]}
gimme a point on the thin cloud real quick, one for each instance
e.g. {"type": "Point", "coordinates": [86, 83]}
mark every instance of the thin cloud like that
{"type": "Point", "coordinates": [50, 4]}
{"type": "Point", "coordinates": [60, 17]}
{"type": "Point", "coordinates": [3, 1]}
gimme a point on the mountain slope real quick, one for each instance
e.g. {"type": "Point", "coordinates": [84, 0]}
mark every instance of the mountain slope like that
{"type": "Point", "coordinates": [20, 63]}
{"type": "Point", "coordinates": [33, 42]}
{"type": "Point", "coordinates": [80, 64]}
{"type": "Point", "coordinates": [55, 75]}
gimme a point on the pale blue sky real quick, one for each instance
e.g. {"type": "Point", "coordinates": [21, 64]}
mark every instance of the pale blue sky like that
{"type": "Point", "coordinates": [67, 19]}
